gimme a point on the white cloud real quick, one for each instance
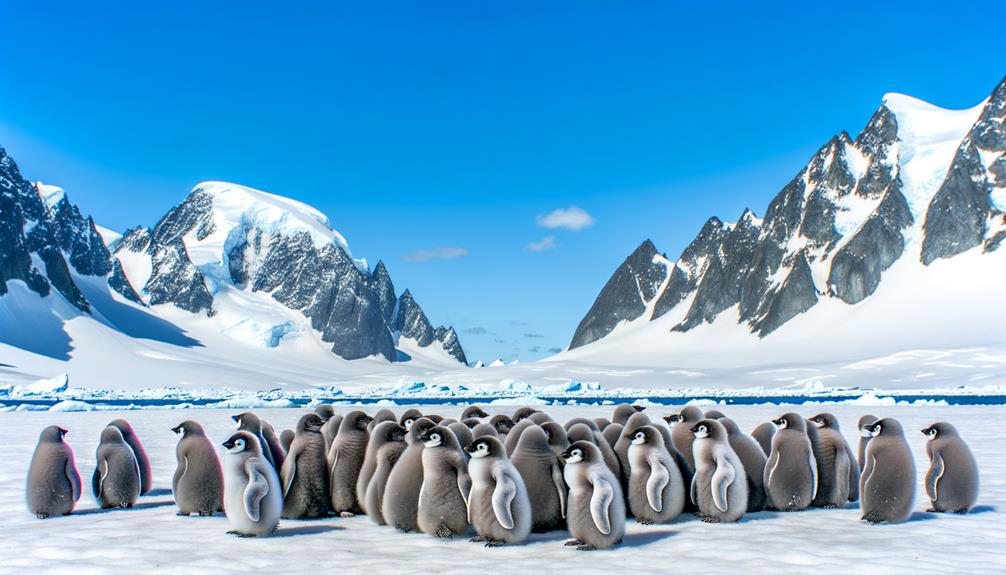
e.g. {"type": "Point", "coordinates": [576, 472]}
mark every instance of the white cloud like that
{"type": "Point", "coordinates": [571, 218]}
{"type": "Point", "coordinates": [547, 243]}
{"type": "Point", "coordinates": [441, 253]}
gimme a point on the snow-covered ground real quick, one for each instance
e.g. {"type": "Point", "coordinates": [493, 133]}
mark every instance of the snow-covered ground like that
{"type": "Point", "coordinates": [150, 537]}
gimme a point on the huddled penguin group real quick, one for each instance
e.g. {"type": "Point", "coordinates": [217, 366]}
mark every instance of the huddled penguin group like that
{"type": "Point", "coordinates": [506, 476]}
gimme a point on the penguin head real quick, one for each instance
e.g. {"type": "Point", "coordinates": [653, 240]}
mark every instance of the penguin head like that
{"type": "Point", "coordinates": [939, 429]}
{"type": "Point", "coordinates": [248, 421]}
{"type": "Point", "coordinates": [473, 411]}
{"type": "Point", "coordinates": [310, 423]}
{"type": "Point", "coordinates": [887, 426]}
{"type": "Point", "coordinates": [52, 434]}
{"type": "Point", "coordinates": [588, 422]}
{"type": "Point", "coordinates": [863, 422]}
{"type": "Point", "coordinates": [580, 432]}
{"type": "Point", "coordinates": [523, 413]}
{"type": "Point", "coordinates": [187, 428]}
{"type": "Point", "coordinates": [471, 422]}
{"type": "Point", "coordinates": [709, 429]}
{"type": "Point", "coordinates": [502, 423]}
{"type": "Point", "coordinates": [395, 432]}
{"type": "Point", "coordinates": [715, 414]}
{"type": "Point", "coordinates": [580, 452]}
{"type": "Point", "coordinates": [791, 421]}
{"type": "Point", "coordinates": [637, 419]}
{"type": "Point", "coordinates": [357, 420]}
{"type": "Point", "coordinates": [324, 411]}
{"type": "Point", "coordinates": [555, 433]}
{"type": "Point", "coordinates": [435, 418]}
{"type": "Point", "coordinates": [436, 436]}
{"type": "Point", "coordinates": [409, 417]}
{"type": "Point", "coordinates": [486, 446]}
{"type": "Point", "coordinates": [111, 434]}
{"type": "Point", "coordinates": [729, 425]}
{"type": "Point", "coordinates": [825, 420]}
{"type": "Point", "coordinates": [646, 434]}
{"type": "Point", "coordinates": [122, 425]}
{"type": "Point", "coordinates": [242, 442]}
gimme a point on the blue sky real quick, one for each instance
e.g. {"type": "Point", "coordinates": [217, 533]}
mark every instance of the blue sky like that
{"type": "Point", "coordinates": [439, 136]}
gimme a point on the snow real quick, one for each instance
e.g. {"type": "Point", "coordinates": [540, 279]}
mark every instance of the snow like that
{"type": "Point", "coordinates": [259, 334]}
{"type": "Point", "coordinates": [52, 386]}
{"type": "Point", "coordinates": [150, 536]}
{"type": "Point", "coordinates": [72, 405]}
{"type": "Point", "coordinates": [497, 363]}
{"type": "Point", "coordinates": [51, 195]}
{"type": "Point", "coordinates": [109, 237]}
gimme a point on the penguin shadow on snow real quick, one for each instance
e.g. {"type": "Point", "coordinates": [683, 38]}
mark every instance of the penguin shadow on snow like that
{"type": "Point", "coordinates": [138, 506]}
{"type": "Point", "coordinates": [922, 516]}
{"type": "Point", "coordinates": [301, 530]}
{"type": "Point", "coordinates": [157, 492]}
{"type": "Point", "coordinates": [647, 537]}
{"type": "Point", "coordinates": [982, 509]}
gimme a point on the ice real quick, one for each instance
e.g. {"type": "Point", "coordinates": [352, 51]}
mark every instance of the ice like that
{"type": "Point", "coordinates": [252, 403]}
{"type": "Point", "coordinates": [48, 387]}
{"type": "Point", "coordinates": [259, 334]}
{"type": "Point", "coordinates": [72, 405]}
{"type": "Point", "coordinates": [150, 537]}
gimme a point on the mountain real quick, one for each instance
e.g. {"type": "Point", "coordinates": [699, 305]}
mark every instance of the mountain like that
{"type": "Point", "coordinates": [918, 185]}
{"type": "Point", "coordinates": [229, 268]}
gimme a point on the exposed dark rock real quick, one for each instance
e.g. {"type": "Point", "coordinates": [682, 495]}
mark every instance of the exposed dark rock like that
{"type": "Point", "coordinates": [411, 322]}
{"type": "Point", "coordinates": [448, 338]}
{"type": "Point", "coordinates": [796, 295]}
{"type": "Point", "coordinates": [384, 291]}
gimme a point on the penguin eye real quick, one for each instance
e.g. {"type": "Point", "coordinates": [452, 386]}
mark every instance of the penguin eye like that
{"type": "Point", "coordinates": [240, 443]}
{"type": "Point", "coordinates": [435, 437]}
{"type": "Point", "coordinates": [483, 447]}
{"type": "Point", "coordinates": [640, 435]}
{"type": "Point", "coordinates": [702, 429]}
{"type": "Point", "coordinates": [577, 453]}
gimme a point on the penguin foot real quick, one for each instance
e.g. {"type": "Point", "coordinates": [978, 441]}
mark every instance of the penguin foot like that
{"type": "Point", "coordinates": [643, 521]}
{"type": "Point", "coordinates": [182, 514]}
{"type": "Point", "coordinates": [573, 543]}
{"type": "Point", "coordinates": [42, 515]}
{"type": "Point", "coordinates": [709, 519]}
{"type": "Point", "coordinates": [931, 510]}
{"type": "Point", "coordinates": [239, 534]}
{"type": "Point", "coordinates": [495, 543]}
{"type": "Point", "coordinates": [347, 514]}
{"type": "Point", "coordinates": [444, 532]}
{"type": "Point", "coordinates": [832, 506]}
{"type": "Point", "coordinates": [479, 539]}
{"type": "Point", "coordinates": [586, 548]}
{"type": "Point", "coordinates": [206, 514]}
{"type": "Point", "coordinates": [963, 511]}
{"type": "Point", "coordinates": [873, 518]}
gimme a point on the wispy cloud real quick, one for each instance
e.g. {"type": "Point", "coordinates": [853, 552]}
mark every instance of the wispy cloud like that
{"type": "Point", "coordinates": [554, 349]}
{"type": "Point", "coordinates": [571, 218]}
{"type": "Point", "coordinates": [441, 253]}
{"type": "Point", "coordinates": [533, 335]}
{"type": "Point", "coordinates": [547, 243]}
{"type": "Point", "coordinates": [478, 330]}
{"type": "Point", "coordinates": [534, 348]}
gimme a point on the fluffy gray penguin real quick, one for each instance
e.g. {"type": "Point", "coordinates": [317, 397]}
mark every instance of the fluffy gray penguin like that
{"type": "Point", "coordinates": [681, 424]}
{"type": "Point", "coordinates": [720, 487]}
{"type": "Point", "coordinates": [381, 416]}
{"type": "Point", "coordinates": [251, 423]}
{"type": "Point", "coordinates": [887, 486]}
{"type": "Point", "coordinates": [498, 506]}
{"type": "Point", "coordinates": [623, 412]}
{"type": "Point", "coordinates": [462, 432]}
{"type": "Point", "coordinates": [286, 439]}
{"type": "Point", "coordinates": [409, 417]}
{"type": "Point", "coordinates": [345, 459]}
{"type": "Point", "coordinates": [473, 411]}
{"type": "Point", "coordinates": [539, 466]}
{"type": "Point", "coordinates": [116, 479]}
{"type": "Point", "coordinates": [391, 442]}
{"type": "Point", "coordinates": [379, 435]}
{"type": "Point", "coordinates": [198, 483]}
{"type": "Point", "coordinates": [443, 498]}
{"type": "Point", "coordinates": [483, 429]}
{"type": "Point", "coordinates": [621, 447]}
{"type": "Point", "coordinates": [134, 443]}
{"type": "Point", "coordinates": [952, 479]}
{"type": "Point", "coordinates": [514, 436]}
{"type": "Point", "coordinates": [837, 470]}
{"type": "Point", "coordinates": [763, 435]}
{"type": "Point", "coordinates": [715, 414]}
{"type": "Point", "coordinates": [752, 458]}
{"type": "Point", "coordinates": [588, 422]}
{"type": "Point", "coordinates": [864, 437]}
{"type": "Point", "coordinates": [596, 508]}
{"type": "Point", "coordinates": [434, 418]}
{"type": "Point", "coordinates": [791, 471]}
{"type": "Point", "coordinates": [253, 499]}
{"type": "Point", "coordinates": [580, 432]}
{"type": "Point", "coordinates": [53, 481]}
{"type": "Point", "coordinates": [502, 424]}
{"type": "Point", "coordinates": [325, 411]}
{"type": "Point", "coordinates": [612, 433]}
{"type": "Point", "coordinates": [304, 475]}
{"type": "Point", "coordinates": [330, 430]}
{"type": "Point", "coordinates": [472, 422]}
{"type": "Point", "coordinates": [540, 417]}
{"type": "Point", "coordinates": [401, 494]}
{"type": "Point", "coordinates": [523, 413]}
{"type": "Point", "coordinates": [656, 488]}
{"type": "Point", "coordinates": [557, 439]}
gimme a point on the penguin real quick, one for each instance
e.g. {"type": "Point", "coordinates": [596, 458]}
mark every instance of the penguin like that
{"type": "Point", "coordinates": [837, 469]}
{"type": "Point", "coordinates": [763, 435]}
{"type": "Point", "coordinates": [514, 435]}
{"type": "Point", "coordinates": [720, 486]}
{"type": "Point", "coordinates": [557, 439]}
{"type": "Point", "coordinates": [345, 458]}
{"type": "Point", "coordinates": [682, 437]}
{"type": "Point", "coordinates": [887, 486]}
{"type": "Point", "coordinates": [952, 479]}
{"type": "Point", "coordinates": [596, 508]}
{"type": "Point", "coordinates": [409, 417]}
{"type": "Point", "coordinates": [381, 416]}
{"type": "Point", "coordinates": [588, 422]}
{"type": "Point", "coordinates": [612, 433]}
{"type": "Point", "coordinates": [443, 497]}
{"type": "Point", "coordinates": [580, 432]}
{"type": "Point", "coordinates": [502, 424]}
{"type": "Point", "coordinates": [379, 435]}
{"type": "Point", "coordinates": [286, 439]}
{"type": "Point", "coordinates": [462, 432]}
{"type": "Point", "coordinates": [483, 429]}
{"type": "Point", "coordinates": [791, 470]}
{"type": "Point", "coordinates": [435, 418]}
{"type": "Point", "coordinates": [116, 480]}
{"type": "Point", "coordinates": [390, 442]}
{"type": "Point", "coordinates": [325, 411]}
{"type": "Point", "coordinates": [498, 506]}
{"type": "Point", "coordinates": [330, 430]}
{"type": "Point", "coordinates": [656, 488]}
{"type": "Point", "coordinates": [304, 476]}
{"type": "Point", "coordinates": [134, 443]}
{"type": "Point", "coordinates": [752, 458]}
{"type": "Point", "coordinates": [602, 422]}
{"type": "Point", "coordinates": [253, 499]}
{"type": "Point", "coordinates": [53, 481]}
{"type": "Point", "coordinates": [523, 413]}
{"type": "Point", "coordinates": [540, 417]}
{"type": "Point", "coordinates": [473, 411]}
{"type": "Point", "coordinates": [251, 423]}
{"type": "Point", "coordinates": [714, 414]}
{"type": "Point", "coordinates": [621, 447]}
{"type": "Point", "coordinates": [864, 437]}
{"type": "Point", "coordinates": [539, 466]}
{"type": "Point", "coordinates": [198, 483]}
{"type": "Point", "coordinates": [623, 412]}
{"type": "Point", "coordinates": [401, 494]}
{"type": "Point", "coordinates": [472, 422]}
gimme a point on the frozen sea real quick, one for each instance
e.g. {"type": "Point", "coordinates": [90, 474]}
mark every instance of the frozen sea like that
{"type": "Point", "coordinates": [151, 538]}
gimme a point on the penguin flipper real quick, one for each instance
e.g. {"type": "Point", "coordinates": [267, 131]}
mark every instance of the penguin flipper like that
{"type": "Point", "coordinates": [936, 471]}
{"type": "Point", "coordinates": [503, 496]}
{"type": "Point", "coordinates": [813, 472]}
{"type": "Point", "coordinates": [723, 477]}
{"type": "Point", "coordinates": [693, 492]}
{"type": "Point", "coordinates": [773, 462]}
{"type": "Point", "coordinates": [71, 474]}
{"type": "Point", "coordinates": [600, 502]}
{"type": "Point", "coordinates": [289, 472]}
{"type": "Point", "coordinates": [655, 485]}
{"type": "Point", "coordinates": [842, 467]}
{"type": "Point", "coordinates": [255, 491]}
{"type": "Point", "coordinates": [560, 487]}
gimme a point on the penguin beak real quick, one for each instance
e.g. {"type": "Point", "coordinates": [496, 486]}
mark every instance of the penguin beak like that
{"type": "Point", "coordinates": [229, 444]}
{"type": "Point", "coordinates": [236, 417]}
{"type": "Point", "coordinates": [672, 418]}
{"type": "Point", "coordinates": [564, 454]}
{"type": "Point", "coordinates": [470, 449]}
{"type": "Point", "coordinates": [177, 429]}
{"type": "Point", "coordinates": [693, 428]}
{"type": "Point", "coordinates": [638, 407]}
{"type": "Point", "coordinates": [63, 432]}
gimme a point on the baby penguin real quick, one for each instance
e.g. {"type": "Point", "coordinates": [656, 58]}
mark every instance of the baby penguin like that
{"type": "Point", "coordinates": [720, 486]}
{"type": "Point", "coordinates": [53, 482]}
{"type": "Point", "coordinates": [596, 508]}
{"type": "Point", "coordinates": [656, 488]}
{"type": "Point", "coordinates": [887, 486]}
{"type": "Point", "coordinates": [253, 499]}
{"type": "Point", "coordinates": [443, 497]}
{"type": "Point", "coordinates": [116, 481]}
{"type": "Point", "coordinates": [498, 506]}
{"type": "Point", "coordinates": [952, 479]}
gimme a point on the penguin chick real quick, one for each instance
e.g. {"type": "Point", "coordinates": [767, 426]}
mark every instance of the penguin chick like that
{"type": "Point", "coordinates": [596, 506]}
{"type": "Point", "coordinates": [53, 481]}
{"type": "Point", "coordinates": [720, 486]}
{"type": "Point", "coordinates": [498, 505]}
{"type": "Point", "coordinates": [656, 489]}
{"type": "Point", "coordinates": [952, 479]}
{"type": "Point", "coordinates": [198, 483]}
{"type": "Point", "coordinates": [253, 499]}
